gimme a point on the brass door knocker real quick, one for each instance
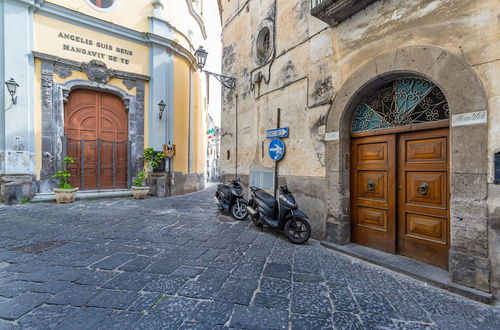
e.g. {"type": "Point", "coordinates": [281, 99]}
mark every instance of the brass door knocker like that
{"type": "Point", "coordinates": [370, 186]}
{"type": "Point", "coordinates": [423, 189]}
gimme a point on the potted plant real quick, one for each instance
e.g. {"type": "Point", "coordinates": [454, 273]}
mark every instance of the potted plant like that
{"type": "Point", "coordinates": [139, 190]}
{"type": "Point", "coordinates": [65, 193]}
{"type": "Point", "coordinates": [152, 160]}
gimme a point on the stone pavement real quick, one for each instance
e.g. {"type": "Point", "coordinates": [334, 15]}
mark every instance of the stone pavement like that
{"type": "Point", "coordinates": [178, 263]}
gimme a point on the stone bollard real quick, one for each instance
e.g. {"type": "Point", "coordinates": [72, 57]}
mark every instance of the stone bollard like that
{"type": "Point", "coordinates": [160, 187]}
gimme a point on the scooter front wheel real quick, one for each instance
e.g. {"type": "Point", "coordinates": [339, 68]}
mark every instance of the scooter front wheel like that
{"type": "Point", "coordinates": [220, 207]}
{"type": "Point", "coordinates": [239, 210]}
{"type": "Point", "coordinates": [298, 230]}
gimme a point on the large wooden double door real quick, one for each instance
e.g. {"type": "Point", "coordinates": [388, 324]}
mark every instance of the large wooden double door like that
{"type": "Point", "coordinates": [400, 194]}
{"type": "Point", "coordinates": [96, 128]}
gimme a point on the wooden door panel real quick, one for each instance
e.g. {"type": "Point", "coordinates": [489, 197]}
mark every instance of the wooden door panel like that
{"type": "Point", "coordinates": [427, 189]}
{"type": "Point", "coordinates": [426, 227]}
{"type": "Point", "coordinates": [423, 196]}
{"type": "Point", "coordinates": [372, 153]}
{"type": "Point", "coordinates": [373, 192]}
{"type": "Point", "coordinates": [372, 218]}
{"type": "Point", "coordinates": [372, 186]}
{"type": "Point", "coordinates": [426, 150]}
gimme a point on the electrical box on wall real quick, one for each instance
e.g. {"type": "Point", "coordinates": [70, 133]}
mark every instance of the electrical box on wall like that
{"type": "Point", "coordinates": [497, 168]}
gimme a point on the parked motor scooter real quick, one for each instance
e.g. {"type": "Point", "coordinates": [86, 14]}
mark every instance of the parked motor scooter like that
{"type": "Point", "coordinates": [282, 215]}
{"type": "Point", "coordinates": [230, 197]}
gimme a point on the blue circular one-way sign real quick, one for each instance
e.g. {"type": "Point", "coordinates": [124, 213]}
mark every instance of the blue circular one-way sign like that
{"type": "Point", "coordinates": [276, 149]}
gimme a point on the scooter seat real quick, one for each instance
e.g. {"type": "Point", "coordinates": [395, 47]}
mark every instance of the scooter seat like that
{"type": "Point", "coordinates": [223, 188]}
{"type": "Point", "coordinates": [265, 198]}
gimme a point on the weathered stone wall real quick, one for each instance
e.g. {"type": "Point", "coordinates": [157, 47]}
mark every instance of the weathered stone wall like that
{"type": "Point", "coordinates": [311, 63]}
{"type": "Point", "coordinates": [187, 183]}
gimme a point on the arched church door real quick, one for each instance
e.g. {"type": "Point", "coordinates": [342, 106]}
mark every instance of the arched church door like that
{"type": "Point", "coordinates": [96, 129]}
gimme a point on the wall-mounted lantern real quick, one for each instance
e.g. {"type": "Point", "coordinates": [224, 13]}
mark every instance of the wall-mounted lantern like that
{"type": "Point", "coordinates": [12, 88]}
{"type": "Point", "coordinates": [161, 108]}
{"type": "Point", "coordinates": [201, 58]}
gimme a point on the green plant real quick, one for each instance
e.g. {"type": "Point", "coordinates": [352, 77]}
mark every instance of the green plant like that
{"type": "Point", "coordinates": [64, 175]}
{"type": "Point", "coordinates": [152, 158]}
{"type": "Point", "coordinates": [139, 179]}
{"type": "Point", "coordinates": [25, 200]}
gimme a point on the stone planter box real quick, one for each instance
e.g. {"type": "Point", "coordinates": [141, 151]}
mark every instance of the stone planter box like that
{"type": "Point", "coordinates": [65, 195]}
{"type": "Point", "coordinates": [140, 192]}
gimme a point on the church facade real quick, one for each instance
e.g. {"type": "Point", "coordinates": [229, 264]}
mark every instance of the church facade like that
{"type": "Point", "coordinates": [100, 81]}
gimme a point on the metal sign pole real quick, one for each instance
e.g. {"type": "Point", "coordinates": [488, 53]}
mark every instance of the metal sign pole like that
{"type": "Point", "coordinates": [276, 168]}
{"type": "Point", "coordinates": [236, 153]}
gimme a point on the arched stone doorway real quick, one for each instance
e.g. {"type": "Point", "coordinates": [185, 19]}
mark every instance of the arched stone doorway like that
{"type": "Point", "coordinates": [468, 256]}
{"type": "Point", "coordinates": [399, 171]}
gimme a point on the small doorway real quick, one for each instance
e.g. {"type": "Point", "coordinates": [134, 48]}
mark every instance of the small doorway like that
{"type": "Point", "coordinates": [400, 171]}
{"type": "Point", "coordinates": [96, 136]}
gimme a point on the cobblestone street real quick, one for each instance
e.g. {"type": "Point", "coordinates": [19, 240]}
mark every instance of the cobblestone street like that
{"type": "Point", "coordinates": [178, 263]}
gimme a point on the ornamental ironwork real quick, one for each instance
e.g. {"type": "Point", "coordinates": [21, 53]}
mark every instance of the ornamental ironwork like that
{"type": "Point", "coordinates": [228, 82]}
{"type": "Point", "coordinates": [401, 102]}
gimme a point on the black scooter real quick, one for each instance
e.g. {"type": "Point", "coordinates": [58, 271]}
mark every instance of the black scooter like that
{"type": "Point", "coordinates": [283, 214]}
{"type": "Point", "coordinates": [230, 197]}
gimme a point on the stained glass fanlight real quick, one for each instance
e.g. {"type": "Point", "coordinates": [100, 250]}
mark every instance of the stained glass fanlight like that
{"type": "Point", "coordinates": [401, 102]}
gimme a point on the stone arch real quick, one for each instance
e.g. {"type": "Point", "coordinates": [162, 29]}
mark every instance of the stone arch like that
{"type": "Point", "coordinates": [464, 93]}
{"type": "Point", "coordinates": [71, 85]}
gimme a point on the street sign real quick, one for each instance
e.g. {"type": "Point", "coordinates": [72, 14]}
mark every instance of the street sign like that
{"type": "Point", "coordinates": [276, 149]}
{"type": "Point", "coordinates": [277, 133]}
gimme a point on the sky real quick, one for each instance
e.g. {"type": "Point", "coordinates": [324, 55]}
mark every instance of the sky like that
{"type": "Point", "coordinates": [213, 45]}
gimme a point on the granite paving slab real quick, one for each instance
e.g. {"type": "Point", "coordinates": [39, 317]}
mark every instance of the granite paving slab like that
{"type": "Point", "coordinates": [179, 263]}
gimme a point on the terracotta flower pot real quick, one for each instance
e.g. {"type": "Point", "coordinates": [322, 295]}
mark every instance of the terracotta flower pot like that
{"type": "Point", "coordinates": [65, 195]}
{"type": "Point", "coordinates": [140, 192]}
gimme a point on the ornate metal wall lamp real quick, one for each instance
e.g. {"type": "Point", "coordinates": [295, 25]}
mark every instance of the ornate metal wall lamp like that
{"type": "Point", "coordinates": [12, 88]}
{"type": "Point", "coordinates": [161, 108]}
{"type": "Point", "coordinates": [201, 57]}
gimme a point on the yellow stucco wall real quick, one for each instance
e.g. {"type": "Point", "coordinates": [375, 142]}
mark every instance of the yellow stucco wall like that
{"type": "Point", "coordinates": [79, 44]}
{"type": "Point", "coordinates": [196, 123]}
{"type": "Point", "coordinates": [129, 13]}
{"type": "Point", "coordinates": [200, 146]}
{"type": "Point", "coordinates": [181, 114]}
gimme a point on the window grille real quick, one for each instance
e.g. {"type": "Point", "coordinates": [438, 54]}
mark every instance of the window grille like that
{"type": "Point", "coordinates": [401, 102]}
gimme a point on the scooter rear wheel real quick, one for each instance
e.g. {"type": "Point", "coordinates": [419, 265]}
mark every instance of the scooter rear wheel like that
{"type": "Point", "coordinates": [298, 231]}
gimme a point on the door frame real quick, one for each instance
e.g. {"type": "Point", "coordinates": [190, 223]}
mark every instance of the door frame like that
{"type": "Point", "coordinates": [53, 96]}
